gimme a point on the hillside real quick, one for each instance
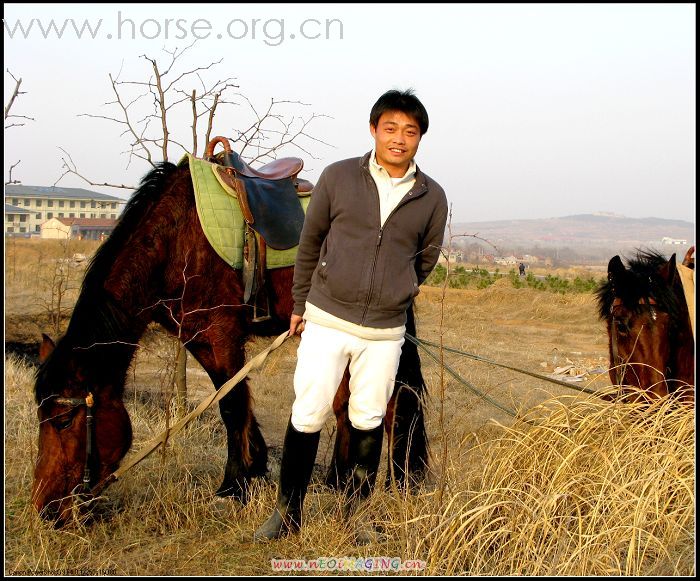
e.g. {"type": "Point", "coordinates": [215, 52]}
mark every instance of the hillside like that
{"type": "Point", "coordinates": [589, 234]}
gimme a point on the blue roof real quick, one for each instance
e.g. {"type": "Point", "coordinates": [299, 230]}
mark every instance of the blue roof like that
{"type": "Point", "coordinates": [15, 210]}
{"type": "Point", "coordinates": [56, 192]}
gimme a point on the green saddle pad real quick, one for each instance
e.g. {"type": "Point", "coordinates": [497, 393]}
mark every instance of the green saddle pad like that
{"type": "Point", "coordinates": [221, 218]}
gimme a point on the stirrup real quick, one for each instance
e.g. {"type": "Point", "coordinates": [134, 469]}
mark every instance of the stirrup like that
{"type": "Point", "coordinates": [262, 317]}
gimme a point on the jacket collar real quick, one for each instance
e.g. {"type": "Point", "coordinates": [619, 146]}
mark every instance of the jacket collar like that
{"type": "Point", "coordinates": [420, 176]}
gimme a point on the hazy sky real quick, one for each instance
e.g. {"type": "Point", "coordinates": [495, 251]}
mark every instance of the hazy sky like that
{"type": "Point", "coordinates": [535, 110]}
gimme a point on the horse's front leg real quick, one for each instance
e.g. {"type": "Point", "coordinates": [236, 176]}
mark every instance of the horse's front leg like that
{"type": "Point", "coordinates": [246, 448]}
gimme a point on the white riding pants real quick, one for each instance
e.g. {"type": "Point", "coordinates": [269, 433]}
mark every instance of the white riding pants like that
{"type": "Point", "coordinates": [322, 357]}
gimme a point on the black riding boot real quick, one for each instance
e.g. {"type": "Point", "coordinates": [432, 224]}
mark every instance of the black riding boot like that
{"type": "Point", "coordinates": [365, 453]}
{"type": "Point", "coordinates": [298, 458]}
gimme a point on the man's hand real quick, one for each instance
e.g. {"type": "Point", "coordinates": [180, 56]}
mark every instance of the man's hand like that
{"type": "Point", "coordinates": [296, 325]}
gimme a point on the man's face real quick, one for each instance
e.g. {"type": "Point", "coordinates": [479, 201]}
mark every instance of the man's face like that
{"type": "Point", "coordinates": [396, 139]}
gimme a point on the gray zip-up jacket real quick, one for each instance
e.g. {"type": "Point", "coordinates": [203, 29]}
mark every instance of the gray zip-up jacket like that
{"type": "Point", "coordinates": [353, 268]}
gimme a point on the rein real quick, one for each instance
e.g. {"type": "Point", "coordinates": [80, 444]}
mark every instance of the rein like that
{"type": "Point", "coordinates": [617, 360]}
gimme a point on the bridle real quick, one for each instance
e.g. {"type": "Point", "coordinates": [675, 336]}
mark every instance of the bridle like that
{"type": "Point", "coordinates": [617, 360]}
{"type": "Point", "coordinates": [89, 402]}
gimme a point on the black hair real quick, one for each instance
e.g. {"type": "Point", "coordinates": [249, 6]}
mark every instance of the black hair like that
{"type": "Point", "coordinates": [404, 101]}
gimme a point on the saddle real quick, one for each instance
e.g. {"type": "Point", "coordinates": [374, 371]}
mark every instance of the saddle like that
{"type": "Point", "coordinates": [274, 217]}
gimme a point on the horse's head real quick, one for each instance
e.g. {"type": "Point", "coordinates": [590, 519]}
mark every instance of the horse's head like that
{"type": "Point", "coordinates": [75, 452]}
{"type": "Point", "coordinates": [640, 307]}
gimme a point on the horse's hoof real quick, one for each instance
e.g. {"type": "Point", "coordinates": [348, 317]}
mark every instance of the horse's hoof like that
{"type": "Point", "coordinates": [275, 527]}
{"type": "Point", "coordinates": [366, 534]}
{"type": "Point", "coordinates": [223, 504]}
{"type": "Point", "coordinates": [233, 492]}
{"type": "Point", "coordinates": [334, 481]}
{"type": "Point", "coordinates": [411, 484]}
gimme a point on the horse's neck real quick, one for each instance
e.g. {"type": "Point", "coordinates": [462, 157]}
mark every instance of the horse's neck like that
{"type": "Point", "coordinates": [103, 337]}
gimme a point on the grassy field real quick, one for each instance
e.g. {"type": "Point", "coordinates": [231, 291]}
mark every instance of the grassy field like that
{"type": "Point", "coordinates": [568, 485]}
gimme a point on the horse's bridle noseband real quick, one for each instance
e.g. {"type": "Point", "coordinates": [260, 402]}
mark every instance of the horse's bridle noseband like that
{"type": "Point", "coordinates": [617, 361]}
{"type": "Point", "coordinates": [89, 402]}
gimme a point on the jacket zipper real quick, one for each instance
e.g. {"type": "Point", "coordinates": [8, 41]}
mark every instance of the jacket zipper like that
{"type": "Point", "coordinates": [376, 248]}
{"type": "Point", "coordinates": [371, 279]}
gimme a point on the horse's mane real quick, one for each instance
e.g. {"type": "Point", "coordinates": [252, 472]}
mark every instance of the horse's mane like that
{"type": "Point", "coordinates": [98, 326]}
{"type": "Point", "coordinates": [642, 279]}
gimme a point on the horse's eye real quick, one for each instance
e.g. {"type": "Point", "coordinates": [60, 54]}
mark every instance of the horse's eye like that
{"type": "Point", "coordinates": [622, 327]}
{"type": "Point", "coordinates": [63, 420]}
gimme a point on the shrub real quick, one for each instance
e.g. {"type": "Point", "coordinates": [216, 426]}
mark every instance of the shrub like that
{"type": "Point", "coordinates": [480, 278]}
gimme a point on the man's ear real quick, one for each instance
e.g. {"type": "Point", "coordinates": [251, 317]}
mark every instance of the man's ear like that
{"type": "Point", "coordinates": [373, 130]}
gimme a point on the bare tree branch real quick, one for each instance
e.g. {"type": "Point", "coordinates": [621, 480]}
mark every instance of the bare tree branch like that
{"type": "Point", "coordinates": [194, 122]}
{"type": "Point", "coordinates": [72, 169]}
{"type": "Point", "coordinates": [161, 104]}
{"type": "Point", "coordinates": [212, 112]}
{"type": "Point", "coordinates": [11, 102]}
{"type": "Point", "coordinates": [9, 179]}
{"type": "Point", "coordinates": [268, 124]}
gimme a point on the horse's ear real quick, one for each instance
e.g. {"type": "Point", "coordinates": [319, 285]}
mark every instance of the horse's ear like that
{"type": "Point", "coordinates": [46, 347]}
{"type": "Point", "coordinates": [688, 260]}
{"type": "Point", "coordinates": [668, 270]}
{"type": "Point", "coordinates": [615, 269]}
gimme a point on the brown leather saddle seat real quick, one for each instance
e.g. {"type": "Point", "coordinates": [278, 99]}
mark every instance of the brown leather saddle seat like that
{"type": "Point", "coordinates": [286, 167]}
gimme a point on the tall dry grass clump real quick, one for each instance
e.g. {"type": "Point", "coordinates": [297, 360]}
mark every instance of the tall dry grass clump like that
{"type": "Point", "coordinates": [580, 487]}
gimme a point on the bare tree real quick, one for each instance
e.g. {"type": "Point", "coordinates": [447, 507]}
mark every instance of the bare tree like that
{"type": "Point", "coordinates": [146, 111]}
{"type": "Point", "coordinates": [56, 293]}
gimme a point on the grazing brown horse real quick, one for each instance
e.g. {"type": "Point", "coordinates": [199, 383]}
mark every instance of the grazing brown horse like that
{"type": "Point", "coordinates": [650, 339]}
{"type": "Point", "coordinates": [158, 266]}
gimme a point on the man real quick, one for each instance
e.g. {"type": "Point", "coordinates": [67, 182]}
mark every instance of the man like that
{"type": "Point", "coordinates": [371, 236]}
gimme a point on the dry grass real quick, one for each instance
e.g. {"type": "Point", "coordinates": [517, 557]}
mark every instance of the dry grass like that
{"type": "Point", "coordinates": [34, 269]}
{"type": "Point", "coordinates": [576, 488]}
{"type": "Point", "coordinates": [572, 486]}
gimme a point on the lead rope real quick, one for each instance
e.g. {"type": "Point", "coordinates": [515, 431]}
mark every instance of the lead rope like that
{"type": "Point", "coordinates": [454, 374]}
{"type": "Point", "coordinates": [512, 368]}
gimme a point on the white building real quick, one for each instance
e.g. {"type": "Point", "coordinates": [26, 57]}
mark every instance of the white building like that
{"type": "Point", "coordinates": [674, 241]}
{"type": "Point", "coordinates": [28, 207]}
{"type": "Point", "coordinates": [77, 228]}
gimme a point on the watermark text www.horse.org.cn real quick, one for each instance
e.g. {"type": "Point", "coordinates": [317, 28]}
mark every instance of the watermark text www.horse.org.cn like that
{"type": "Point", "coordinates": [271, 31]}
{"type": "Point", "coordinates": [356, 564]}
